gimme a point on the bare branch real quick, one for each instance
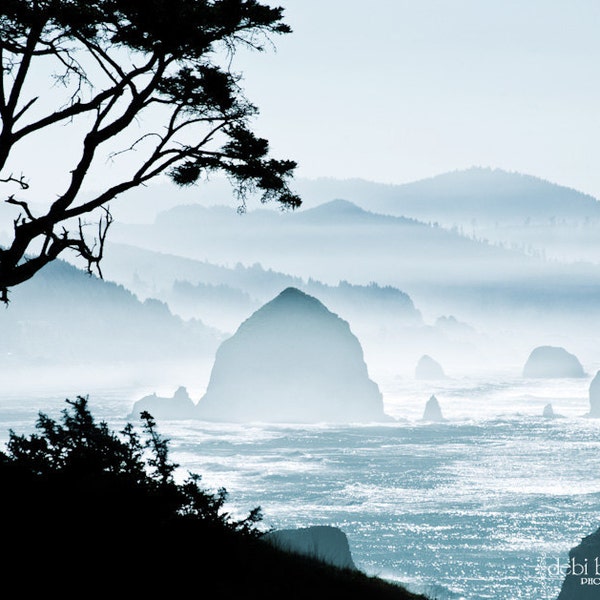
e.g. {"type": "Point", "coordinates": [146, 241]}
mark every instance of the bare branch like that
{"type": "Point", "coordinates": [21, 181]}
{"type": "Point", "coordinates": [2, 90]}
{"type": "Point", "coordinates": [22, 204]}
{"type": "Point", "coordinates": [79, 107]}
{"type": "Point", "coordinates": [25, 108]}
{"type": "Point", "coordinates": [90, 254]}
{"type": "Point", "coordinates": [32, 40]}
{"type": "Point", "coordinates": [132, 147]}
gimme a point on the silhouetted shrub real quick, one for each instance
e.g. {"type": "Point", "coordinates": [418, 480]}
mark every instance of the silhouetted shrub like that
{"type": "Point", "coordinates": [81, 495]}
{"type": "Point", "coordinates": [86, 513]}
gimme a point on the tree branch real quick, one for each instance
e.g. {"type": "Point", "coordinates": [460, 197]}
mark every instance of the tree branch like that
{"type": "Point", "coordinates": [22, 204]}
{"type": "Point", "coordinates": [21, 181]}
{"type": "Point", "coordinates": [2, 89]}
{"type": "Point", "coordinates": [32, 40]}
{"type": "Point", "coordinates": [205, 130]}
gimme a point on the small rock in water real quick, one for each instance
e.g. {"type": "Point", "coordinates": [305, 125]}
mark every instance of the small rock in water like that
{"type": "Point", "coordinates": [548, 412]}
{"type": "Point", "coordinates": [433, 412]}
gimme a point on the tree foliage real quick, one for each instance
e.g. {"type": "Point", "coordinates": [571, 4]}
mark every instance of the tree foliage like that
{"type": "Point", "coordinates": [83, 505]}
{"type": "Point", "coordinates": [127, 477]}
{"type": "Point", "coordinates": [153, 75]}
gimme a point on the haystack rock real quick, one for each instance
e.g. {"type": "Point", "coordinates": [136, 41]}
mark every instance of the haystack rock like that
{"type": "Point", "coordinates": [595, 396]}
{"type": "Point", "coordinates": [427, 368]}
{"type": "Point", "coordinates": [548, 412]}
{"type": "Point", "coordinates": [291, 361]}
{"type": "Point", "coordinates": [576, 584]}
{"type": "Point", "coordinates": [323, 542]}
{"type": "Point", "coordinates": [552, 362]}
{"type": "Point", "coordinates": [180, 406]}
{"type": "Point", "coordinates": [433, 411]}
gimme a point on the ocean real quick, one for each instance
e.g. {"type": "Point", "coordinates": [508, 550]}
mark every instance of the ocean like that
{"type": "Point", "coordinates": [483, 505]}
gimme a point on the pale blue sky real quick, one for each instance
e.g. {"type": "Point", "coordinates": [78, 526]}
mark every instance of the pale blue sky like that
{"type": "Point", "coordinates": [398, 90]}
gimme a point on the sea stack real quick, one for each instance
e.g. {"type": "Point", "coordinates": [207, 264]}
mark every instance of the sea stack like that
{"type": "Point", "coordinates": [427, 368]}
{"type": "Point", "coordinates": [574, 584]}
{"type": "Point", "coordinates": [552, 362]}
{"type": "Point", "coordinates": [595, 396]}
{"type": "Point", "coordinates": [291, 361]}
{"type": "Point", "coordinates": [179, 406]}
{"type": "Point", "coordinates": [433, 411]}
{"type": "Point", "coordinates": [323, 542]}
{"type": "Point", "coordinates": [548, 412]}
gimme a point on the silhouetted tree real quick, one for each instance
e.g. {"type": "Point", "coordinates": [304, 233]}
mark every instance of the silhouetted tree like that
{"type": "Point", "coordinates": [117, 61]}
{"type": "Point", "coordinates": [89, 460]}
{"type": "Point", "coordinates": [82, 504]}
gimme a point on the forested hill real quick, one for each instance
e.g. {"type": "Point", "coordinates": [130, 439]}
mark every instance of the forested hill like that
{"type": "Point", "coordinates": [63, 314]}
{"type": "Point", "coordinates": [222, 296]}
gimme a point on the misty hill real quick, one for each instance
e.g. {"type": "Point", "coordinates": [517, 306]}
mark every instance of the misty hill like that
{"type": "Point", "coordinates": [441, 270]}
{"type": "Point", "coordinates": [518, 210]}
{"type": "Point", "coordinates": [391, 328]}
{"type": "Point", "coordinates": [344, 212]}
{"type": "Point", "coordinates": [224, 296]}
{"type": "Point", "coordinates": [484, 194]}
{"type": "Point", "coordinates": [329, 243]}
{"type": "Point", "coordinates": [65, 316]}
{"type": "Point", "coordinates": [515, 209]}
{"type": "Point", "coordinates": [522, 301]}
{"type": "Point", "coordinates": [291, 361]}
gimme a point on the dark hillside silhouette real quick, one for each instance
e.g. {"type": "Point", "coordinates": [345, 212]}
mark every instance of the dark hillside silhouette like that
{"type": "Point", "coordinates": [89, 509]}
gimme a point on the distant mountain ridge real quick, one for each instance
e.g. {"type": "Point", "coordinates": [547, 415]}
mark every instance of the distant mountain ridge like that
{"type": "Point", "coordinates": [520, 211]}
{"type": "Point", "coordinates": [477, 192]}
{"type": "Point", "coordinates": [309, 239]}
{"type": "Point", "coordinates": [339, 211]}
{"type": "Point", "coordinates": [480, 193]}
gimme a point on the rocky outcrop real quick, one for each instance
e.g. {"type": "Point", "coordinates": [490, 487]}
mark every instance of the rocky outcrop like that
{"type": "Point", "coordinates": [323, 542]}
{"type": "Point", "coordinates": [433, 411]}
{"type": "Point", "coordinates": [291, 361]}
{"type": "Point", "coordinates": [595, 396]}
{"type": "Point", "coordinates": [179, 406]}
{"type": "Point", "coordinates": [552, 362]}
{"type": "Point", "coordinates": [582, 578]}
{"type": "Point", "coordinates": [548, 412]}
{"type": "Point", "coordinates": [427, 368]}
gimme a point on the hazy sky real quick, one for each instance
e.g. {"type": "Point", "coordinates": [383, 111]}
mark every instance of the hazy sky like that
{"type": "Point", "coordinates": [398, 90]}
